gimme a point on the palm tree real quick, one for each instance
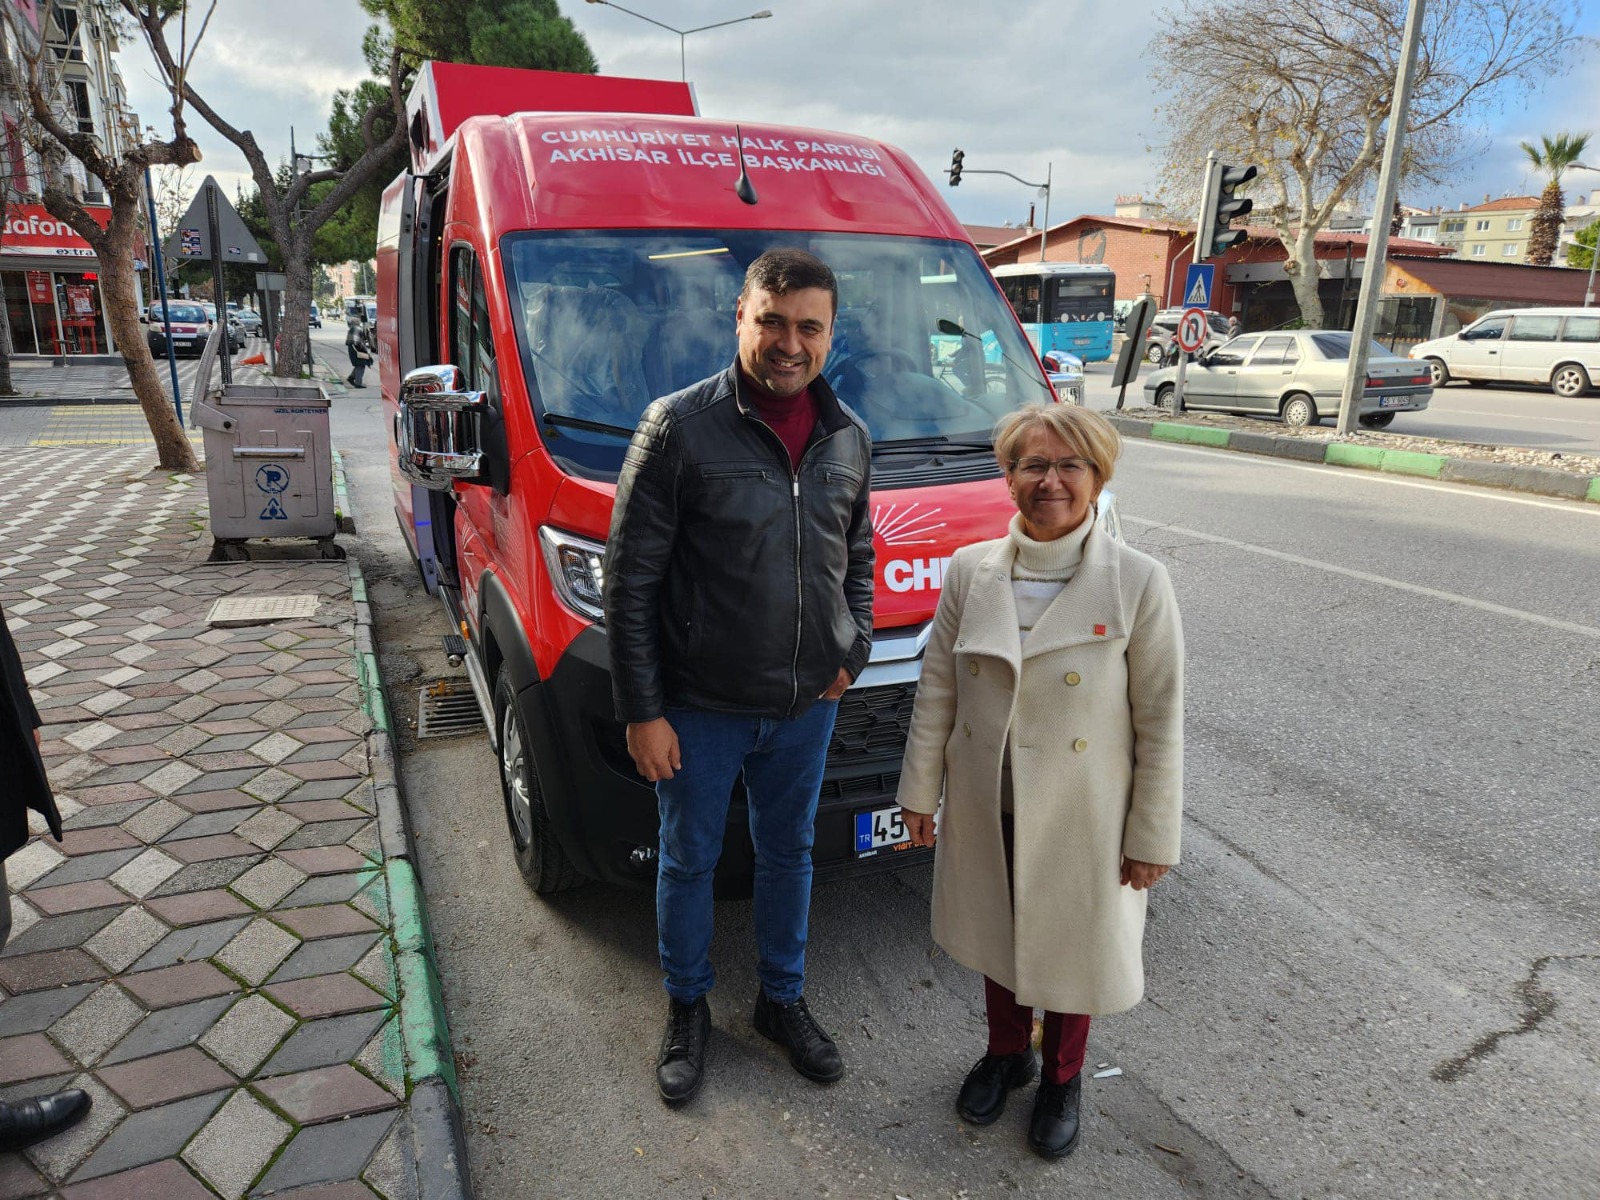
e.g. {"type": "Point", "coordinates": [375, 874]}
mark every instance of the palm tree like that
{"type": "Point", "coordinates": [1553, 156]}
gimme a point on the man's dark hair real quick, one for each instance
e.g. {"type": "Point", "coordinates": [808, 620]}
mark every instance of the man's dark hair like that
{"type": "Point", "coordinates": [789, 269]}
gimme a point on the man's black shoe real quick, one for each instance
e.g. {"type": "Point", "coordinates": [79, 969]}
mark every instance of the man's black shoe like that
{"type": "Point", "coordinates": [682, 1063]}
{"type": "Point", "coordinates": [1053, 1132]}
{"type": "Point", "coordinates": [28, 1121]}
{"type": "Point", "coordinates": [983, 1093]}
{"type": "Point", "coordinates": [794, 1028]}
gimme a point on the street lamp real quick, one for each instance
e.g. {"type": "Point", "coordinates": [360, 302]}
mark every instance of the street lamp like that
{"type": "Point", "coordinates": [683, 69]}
{"type": "Point", "coordinates": [1594, 250]}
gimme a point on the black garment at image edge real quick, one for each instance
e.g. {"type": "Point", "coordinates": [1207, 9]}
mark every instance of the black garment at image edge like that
{"type": "Point", "coordinates": [20, 764]}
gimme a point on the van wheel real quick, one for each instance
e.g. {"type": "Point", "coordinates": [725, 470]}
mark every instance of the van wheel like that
{"type": "Point", "coordinates": [1569, 380]}
{"type": "Point", "coordinates": [1153, 354]}
{"type": "Point", "coordinates": [1441, 373]}
{"type": "Point", "coordinates": [1300, 410]}
{"type": "Point", "coordinates": [540, 858]}
{"type": "Point", "coordinates": [1377, 420]}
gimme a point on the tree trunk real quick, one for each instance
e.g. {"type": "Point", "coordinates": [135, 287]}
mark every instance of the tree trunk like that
{"type": "Point", "coordinates": [7, 388]}
{"type": "Point", "coordinates": [1301, 268]}
{"type": "Point", "coordinates": [296, 337]}
{"type": "Point", "coordinates": [122, 314]}
{"type": "Point", "coordinates": [1545, 231]}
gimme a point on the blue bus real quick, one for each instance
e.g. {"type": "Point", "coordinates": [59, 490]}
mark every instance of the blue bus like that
{"type": "Point", "coordinates": [1063, 306]}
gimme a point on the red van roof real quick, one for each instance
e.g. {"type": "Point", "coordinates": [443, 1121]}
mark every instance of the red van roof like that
{"type": "Point", "coordinates": [623, 171]}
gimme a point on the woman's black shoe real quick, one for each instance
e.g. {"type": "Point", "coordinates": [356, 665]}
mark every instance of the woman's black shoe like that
{"type": "Point", "coordinates": [1053, 1132]}
{"type": "Point", "coordinates": [24, 1122]}
{"type": "Point", "coordinates": [983, 1092]}
{"type": "Point", "coordinates": [682, 1062]}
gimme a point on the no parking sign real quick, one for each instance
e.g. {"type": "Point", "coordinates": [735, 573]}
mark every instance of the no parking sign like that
{"type": "Point", "coordinates": [1192, 329]}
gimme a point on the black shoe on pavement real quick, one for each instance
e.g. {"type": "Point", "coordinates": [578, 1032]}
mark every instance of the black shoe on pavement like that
{"type": "Point", "coordinates": [1053, 1132]}
{"type": "Point", "coordinates": [28, 1121]}
{"type": "Point", "coordinates": [792, 1026]}
{"type": "Point", "coordinates": [682, 1062]}
{"type": "Point", "coordinates": [983, 1092]}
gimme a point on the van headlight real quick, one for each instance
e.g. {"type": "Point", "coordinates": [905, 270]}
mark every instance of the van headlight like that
{"type": "Point", "coordinates": [577, 567]}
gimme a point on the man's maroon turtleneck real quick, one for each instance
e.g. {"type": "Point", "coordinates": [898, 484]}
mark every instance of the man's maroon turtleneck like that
{"type": "Point", "coordinates": [792, 418]}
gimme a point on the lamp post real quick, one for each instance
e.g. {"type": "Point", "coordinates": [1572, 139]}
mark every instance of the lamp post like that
{"type": "Point", "coordinates": [683, 69]}
{"type": "Point", "coordinates": [1594, 250]}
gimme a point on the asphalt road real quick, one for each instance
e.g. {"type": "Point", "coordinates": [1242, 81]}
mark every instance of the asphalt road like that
{"type": "Point", "coordinates": [1375, 973]}
{"type": "Point", "coordinates": [1511, 416]}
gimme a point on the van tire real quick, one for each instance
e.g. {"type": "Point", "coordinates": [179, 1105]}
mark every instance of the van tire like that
{"type": "Point", "coordinates": [1299, 410]}
{"type": "Point", "coordinates": [1441, 373]}
{"type": "Point", "coordinates": [1569, 380]}
{"type": "Point", "coordinates": [543, 863]}
{"type": "Point", "coordinates": [1153, 354]}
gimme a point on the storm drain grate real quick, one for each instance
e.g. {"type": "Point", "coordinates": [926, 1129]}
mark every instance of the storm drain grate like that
{"type": "Point", "coordinates": [236, 611]}
{"type": "Point", "coordinates": [447, 708]}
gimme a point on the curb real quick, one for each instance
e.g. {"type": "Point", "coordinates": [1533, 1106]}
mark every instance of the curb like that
{"type": "Point", "coordinates": [63, 402]}
{"type": "Point", "coordinates": [438, 1145]}
{"type": "Point", "coordinates": [344, 514]}
{"type": "Point", "coordinates": [1541, 481]}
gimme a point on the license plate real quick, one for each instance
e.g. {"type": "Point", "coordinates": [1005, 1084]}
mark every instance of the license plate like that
{"type": "Point", "coordinates": [1394, 401]}
{"type": "Point", "coordinates": [880, 829]}
{"type": "Point", "coordinates": [1083, 341]}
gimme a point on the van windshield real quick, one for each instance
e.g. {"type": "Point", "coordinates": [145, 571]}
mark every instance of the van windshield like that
{"type": "Point", "coordinates": [924, 346]}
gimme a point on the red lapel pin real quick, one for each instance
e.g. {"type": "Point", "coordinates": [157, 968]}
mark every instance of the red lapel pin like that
{"type": "Point", "coordinates": [1099, 631]}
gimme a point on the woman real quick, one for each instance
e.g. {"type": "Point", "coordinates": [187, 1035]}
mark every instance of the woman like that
{"type": "Point", "coordinates": [1049, 721]}
{"type": "Point", "coordinates": [359, 344]}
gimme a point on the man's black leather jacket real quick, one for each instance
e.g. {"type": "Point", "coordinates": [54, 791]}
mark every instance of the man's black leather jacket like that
{"type": "Point", "coordinates": [732, 582]}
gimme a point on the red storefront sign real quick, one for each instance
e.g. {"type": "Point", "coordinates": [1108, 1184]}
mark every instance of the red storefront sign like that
{"type": "Point", "coordinates": [39, 287]}
{"type": "Point", "coordinates": [31, 230]}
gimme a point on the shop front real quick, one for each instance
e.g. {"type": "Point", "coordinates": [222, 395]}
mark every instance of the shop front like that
{"type": "Point", "coordinates": [51, 282]}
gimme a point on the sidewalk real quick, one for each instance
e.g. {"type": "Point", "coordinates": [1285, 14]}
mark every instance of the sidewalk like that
{"type": "Point", "coordinates": [229, 950]}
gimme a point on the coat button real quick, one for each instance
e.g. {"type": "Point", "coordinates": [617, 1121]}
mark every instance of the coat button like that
{"type": "Point", "coordinates": [966, 729]}
{"type": "Point", "coordinates": [972, 668]}
{"type": "Point", "coordinates": [1073, 679]}
{"type": "Point", "coordinates": [1081, 745]}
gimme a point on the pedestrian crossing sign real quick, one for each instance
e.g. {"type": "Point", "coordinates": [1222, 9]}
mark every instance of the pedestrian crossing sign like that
{"type": "Point", "coordinates": [273, 511]}
{"type": "Point", "coordinates": [1197, 285]}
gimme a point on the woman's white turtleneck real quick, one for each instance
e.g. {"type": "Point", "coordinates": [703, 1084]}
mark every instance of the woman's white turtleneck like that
{"type": "Point", "coordinates": [1041, 569]}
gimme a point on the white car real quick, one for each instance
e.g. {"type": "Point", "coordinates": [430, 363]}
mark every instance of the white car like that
{"type": "Point", "coordinates": [1559, 347]}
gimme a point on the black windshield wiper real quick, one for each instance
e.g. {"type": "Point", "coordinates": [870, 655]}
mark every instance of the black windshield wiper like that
{"type": "Point", "coordinates": [931, 445]}
{"type": "Point", "coordinates": [584, 423]}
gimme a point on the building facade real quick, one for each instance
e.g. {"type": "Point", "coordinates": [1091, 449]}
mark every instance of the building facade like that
{"type": "Point", "coordinates": [1494, 231]}
{"type": "Point", "coordinates": [49, 275]}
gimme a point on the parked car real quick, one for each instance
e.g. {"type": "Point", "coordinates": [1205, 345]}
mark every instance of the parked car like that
{"type": "Point", "coordinates": [1163, 332]}
{"type": "Point", "coordinates": [250, 319]}
{"type": "Point", "coordinates": [1297, 375]}
{"type": "Point", "coordinates": [1066, 375]}
{"type": "Point", "coordinates": [316, 317]}
{"type": "Point", "coordinates": [185, 324]}
{"type": "Point", "coordinates": [209, 309]}
{"type": "Point", "coordinates": [236, 335]}
{"type": "Point", "coordinates": [1559, 347]}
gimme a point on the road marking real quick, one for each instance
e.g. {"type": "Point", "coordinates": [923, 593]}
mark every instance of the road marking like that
{"type": "Point", "coordinates": [1579, 507]}
{"type": "Point", "coordinates": [1520, 417]}
{"type": "Point", "coordinates": [1415, 589]}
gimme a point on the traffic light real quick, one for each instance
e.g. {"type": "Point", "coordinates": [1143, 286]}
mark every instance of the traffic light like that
{"type": "Point", "coordinates": [955, 167]}
{"type": "Point", "coordinates": [1221, 207]}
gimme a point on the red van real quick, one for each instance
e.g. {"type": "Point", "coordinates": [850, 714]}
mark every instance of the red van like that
{"type": "Point", "coordinates": [566, 249]}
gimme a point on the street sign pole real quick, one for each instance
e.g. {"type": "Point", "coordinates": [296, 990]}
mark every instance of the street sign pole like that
{"type": "Point", "coordinates": [160, 264]}
{"type": "Point", "coordinates": [221, 299]}
{"type": "Point", "coordinates": [1200, 231]}
{"type": "Point", "coordinates": [1372, 269]}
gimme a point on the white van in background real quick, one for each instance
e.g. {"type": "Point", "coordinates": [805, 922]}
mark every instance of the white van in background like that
{"type": "Point", "coordinates": [1555, 346]}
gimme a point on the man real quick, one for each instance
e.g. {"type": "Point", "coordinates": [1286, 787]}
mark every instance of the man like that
{"type": "Point", "coordinates": [358, 344]}
{"type": "Point", "coordinates": [26, 1121]}
{"type": "Point", "coordinates": [739, 609]}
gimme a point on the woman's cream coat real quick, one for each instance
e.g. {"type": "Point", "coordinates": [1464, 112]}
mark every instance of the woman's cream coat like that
{"type": "Point", "coordinates": [1093, 709]}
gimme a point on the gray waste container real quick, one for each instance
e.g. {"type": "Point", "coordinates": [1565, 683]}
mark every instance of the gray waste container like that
{"type": "Point", "coordinates": [269, 466]}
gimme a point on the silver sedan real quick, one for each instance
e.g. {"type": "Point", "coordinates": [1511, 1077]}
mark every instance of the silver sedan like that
{"type": "Point", "coordinates": [1297, 375]}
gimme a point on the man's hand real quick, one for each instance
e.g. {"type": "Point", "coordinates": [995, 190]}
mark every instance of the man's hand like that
{"type": "Point", "coordinates": [1139, 875]}
{"type": "Point", "coordinates": [653, 745]}
{"type": "Point", "coordinates": [840, 685]}
{"type": "Point", "coordinates": [919, 826]}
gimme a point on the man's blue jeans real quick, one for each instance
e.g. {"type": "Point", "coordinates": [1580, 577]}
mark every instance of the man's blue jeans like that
{"type": "Point", "coordinates": [781, 762]}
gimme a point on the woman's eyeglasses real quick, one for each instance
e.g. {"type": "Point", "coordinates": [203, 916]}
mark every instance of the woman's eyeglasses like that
{"type": "Point", "coordinates": [1068, 470]}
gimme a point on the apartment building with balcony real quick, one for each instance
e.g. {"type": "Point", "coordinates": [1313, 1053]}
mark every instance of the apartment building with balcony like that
{"type": "Point", "coordinates": [1494, 231]}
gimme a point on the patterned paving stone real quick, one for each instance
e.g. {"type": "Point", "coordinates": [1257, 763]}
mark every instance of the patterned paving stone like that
{"type": "Point", "coordinates": [145, 873]}
{"type": "Point", "coordinates": [98, 1024]}
{"type": "Point", "coordinates": [325, 956]}
{"type": "Point", "coordinates": [194, 908]}
{"type": "Point", "coordinates": [37, 1011]}
{"type": "Point", "coordinates": [324, 1043]}
{"type": "Point", "coordinates": [217, 873]}
{"type": "Point", "coordinates": [208, 849]}
{"type": "Point", "coordinates": [99, 817]}
{"type": "Point", "coordinates": [56, 933]}
{"type": "Point", "coordinates": [191, 944]}
{"type": "Point", "coordinates": [336, 1151]}
{"type": "Point", "coordinates": [270, 785]}
{"type": "Point", "coordinates": [120, 944]}
{"type": "Point", "coordinates": [30, 972]}
{"type": "Point", "coordinates": [268, 882]}
{"type": "Point", "coordinates": [167, 1180]}
{"type": "Point", "coordinates": [169, 1029]}
{"type": "Point", "coordinates": [325, 920]}
{"type": "Point", "coordinates": [230, 1150]}
{"type": "Point", "coordinates": [58, 1156]}
{"type": "Point", "coordinates": [247, 1034]}
{"type": "Point", "coordinates": [202, 825]}
{"type": "Point", "coordinates": [384, 1057]}
{"type": "Point", "coordinates": [31, 1056]}
{"type": "Point", "coordinates": [75, 897]}
{"type": "Point", "coordinates": [149, 1136]}
{"type": "Point", "coordinates": [326, 995]}
{"type": "Point", "coordinates": [18, 1179]}
{"type": "Point", "coordinates": [325, 1093]}
{"type": "Point", "coordinates": [80, 842]}
{"type": "Point", "coordinates": [213, 801]}
{"type": "Point", "coordinates": [163, 1078]}
{"type": "Point", "coordinates": [377, 968]}
{"type": "Point", "coordinates": [156, 821]}
{"type": "Point", "coordinates": [268, 827]}
{"type": "Point", "coordinates": [327, 833]}
{"type": "Point", "coordinates": [82, 868]}
{"type": "Point", "coordinates": [256, 952]}
{"type": "Point", "coordinates": [35, 860]}
{"type": "Point", "coordinates": [179, 985]}
{"type": "Point", "coordinates": [325, 860]}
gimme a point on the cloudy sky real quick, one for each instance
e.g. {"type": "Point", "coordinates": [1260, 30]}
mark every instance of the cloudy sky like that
{"type": "Point", "coordinates": [1017, 84]}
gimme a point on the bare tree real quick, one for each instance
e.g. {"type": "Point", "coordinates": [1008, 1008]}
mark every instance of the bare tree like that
{"type": "Point", "coordinates": [117, 242]}
{"type": "Point", "coordinates": [294, 225]}
{"type": "Point", "coordinates": [1302, 88]}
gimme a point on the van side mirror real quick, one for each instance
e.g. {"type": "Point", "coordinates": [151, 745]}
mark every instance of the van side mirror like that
{"type": "Point", "coordinates": [439, 430]}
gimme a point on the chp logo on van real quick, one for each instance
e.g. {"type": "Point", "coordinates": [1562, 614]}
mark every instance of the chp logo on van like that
{"type": "Point", "coordinates": [903, 526]}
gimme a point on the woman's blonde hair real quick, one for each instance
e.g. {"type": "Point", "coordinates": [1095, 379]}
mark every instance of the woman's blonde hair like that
{"type": "Point", "coordinates": [1090, 435]}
